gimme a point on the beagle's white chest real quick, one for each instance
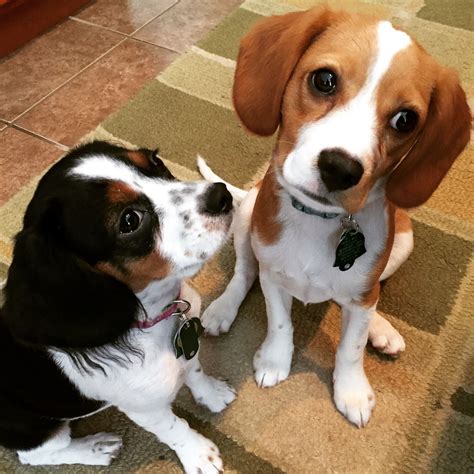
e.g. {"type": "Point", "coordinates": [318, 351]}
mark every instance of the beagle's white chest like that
{"type": "Point", "coordinates": [302, 260]}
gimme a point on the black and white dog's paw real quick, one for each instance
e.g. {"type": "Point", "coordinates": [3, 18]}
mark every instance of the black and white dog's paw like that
{"type": "Point", "coordinates": [199, 455]}
{"type": "Point", "coordinates": [218, 395]}
{"type": "Point", "coordinates": [94, 450]}
{"type": "Point", "coordinates": [99, 449]}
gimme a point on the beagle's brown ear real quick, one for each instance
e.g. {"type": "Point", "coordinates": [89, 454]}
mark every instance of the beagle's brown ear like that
{"type": "Point", "coordinates": [266, 60]}
{"type": "Point", "coordinates": [445, 134]}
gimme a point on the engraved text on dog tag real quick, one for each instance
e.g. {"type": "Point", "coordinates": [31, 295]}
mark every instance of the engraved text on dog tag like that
{"type": "Point", "coordinates": [351, 246]}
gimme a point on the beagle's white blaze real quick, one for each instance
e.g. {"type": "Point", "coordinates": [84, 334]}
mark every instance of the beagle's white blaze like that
{"type": "Point", "coordinates": [350, 127]}
{"type": "Point", "coordinates": [389, 42]}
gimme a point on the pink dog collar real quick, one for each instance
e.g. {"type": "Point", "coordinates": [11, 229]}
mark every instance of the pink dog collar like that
{"type": "Point", "coordinates": [167, 312]}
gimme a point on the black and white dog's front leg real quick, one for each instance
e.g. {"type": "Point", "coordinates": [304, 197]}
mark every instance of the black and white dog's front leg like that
{"type": "Point", "coordinates": [196, 453]}
{"type": "Point", "coordinates": [353, 395]}
{"type": "Point", "coordinates": [208, 391]}
{"type": "Point", "coordinates": [272, 362]}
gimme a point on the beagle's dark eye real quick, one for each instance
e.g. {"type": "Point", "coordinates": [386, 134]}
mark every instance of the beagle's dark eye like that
{"type": "Point", "coordinates": [404, 121]}
{"type": "Point", "coordinates": [130, 221]}
{"type": "Point", "coordinates": [323, 81]}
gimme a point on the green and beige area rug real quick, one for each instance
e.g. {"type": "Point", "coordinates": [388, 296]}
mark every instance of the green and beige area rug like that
{"type": "Point", "coordinates": [423, 421]}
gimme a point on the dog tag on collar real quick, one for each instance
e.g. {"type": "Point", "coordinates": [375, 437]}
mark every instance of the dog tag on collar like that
{"type": "Point", "coordinates": [186, 339]}
{"type": "Point", "coordinates": [351, 244]}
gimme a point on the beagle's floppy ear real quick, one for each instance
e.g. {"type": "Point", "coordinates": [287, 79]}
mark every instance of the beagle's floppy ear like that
{"type": "Point", "coordinates": [444, 136]}
{"type": "Point", "coordinates": [55, 298]}
{"type": "Point", "coordinates": [266, 60]}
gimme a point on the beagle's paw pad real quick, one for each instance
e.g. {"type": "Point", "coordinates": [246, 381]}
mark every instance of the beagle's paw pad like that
{"type": "Point", "coordinates": [272, 365]}
{"type": "Point", "coordinates": [219, 395]}
{"type": "Point", "coordinates": [384, 337]}
{"type": "Point", "coordinates": [219, 316]}
{"type": "Point", "coordinates": [199, 455]}
{"type": "Point", "coordinates": [354, 398]}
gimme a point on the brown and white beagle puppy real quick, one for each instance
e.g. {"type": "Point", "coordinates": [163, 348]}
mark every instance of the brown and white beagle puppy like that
{"type": "Point", "coordinates": [368, 125]}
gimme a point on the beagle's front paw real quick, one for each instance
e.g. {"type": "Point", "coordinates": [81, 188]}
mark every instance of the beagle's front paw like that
{"type": "Point", "coordinates": [354, 397]}
{"type": "Point", "coordinates": [272, 363]}
{"type": "Point", "coordinates": [384, 337]}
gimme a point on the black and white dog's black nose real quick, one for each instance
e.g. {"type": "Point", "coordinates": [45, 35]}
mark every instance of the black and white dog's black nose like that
{"type": "Point", "coordinates": [339, 170]}
{"type": "Point", "coordinates": [217, 200]}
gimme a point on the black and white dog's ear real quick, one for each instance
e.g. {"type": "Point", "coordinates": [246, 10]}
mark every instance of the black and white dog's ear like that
{"type": "Point", "coordinates": [55, 298]}
{"type": "Point", "coordinates": [157, 163]}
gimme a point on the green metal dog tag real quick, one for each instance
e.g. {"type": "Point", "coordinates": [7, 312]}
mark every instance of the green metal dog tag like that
{"type": "Point", "coordinates": [351, 246]}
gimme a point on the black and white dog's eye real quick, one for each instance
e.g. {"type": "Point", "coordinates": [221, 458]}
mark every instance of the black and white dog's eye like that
{"type": "Point", "coordinates": [404, 121]}
{"type": "Point", "coordinates": [130, 221]}
{"type": "Point", "coordinates": [323, 81]}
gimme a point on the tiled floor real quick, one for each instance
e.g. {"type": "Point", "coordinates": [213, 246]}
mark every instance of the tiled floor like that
{"type": "Point", "coordinates": [65, 82]}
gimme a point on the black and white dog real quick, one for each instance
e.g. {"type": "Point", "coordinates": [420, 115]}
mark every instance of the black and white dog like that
{"type": "Point", "coordinates": [90, 311]}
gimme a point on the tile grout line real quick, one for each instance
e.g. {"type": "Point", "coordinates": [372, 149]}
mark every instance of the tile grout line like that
{"type": "Point", "coordinates": [125, 37]}
{"type": "Point", "coordinates": [39, 137]}
{"type": "Point", "coordinates": [88, 23]}
{"type": "Point", "coordinates": [68, 80]}
{"type": "Point", "coordinates": [129, 35]}
{"type": "Point", "coordinates": [166, 48]}
{"type": "Point", "coordinates": [166, 10]}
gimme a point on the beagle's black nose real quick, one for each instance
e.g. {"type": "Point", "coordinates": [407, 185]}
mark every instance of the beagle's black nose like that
{"type": "Point", "coordinates": [339, 170]}
{"type": "Point", "coordinates": [217, 200]}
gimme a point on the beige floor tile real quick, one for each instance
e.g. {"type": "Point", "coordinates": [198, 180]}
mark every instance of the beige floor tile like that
{"type": "Point", "coordinates": [47, 62]}
{"type": "Point", "coordinates": [22, 157]}
{"type": "Point", "coordinates": [88, 99]}
{"type": "Point", "coordinates": [184, 24]}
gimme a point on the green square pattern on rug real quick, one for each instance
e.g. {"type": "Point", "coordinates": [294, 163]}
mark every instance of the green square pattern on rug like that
{"type": "Point", "coordinates": [423, 421]}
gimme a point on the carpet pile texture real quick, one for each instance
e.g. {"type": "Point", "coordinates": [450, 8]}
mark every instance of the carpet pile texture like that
{"type": "Point", "coordinates": [423, 420]}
